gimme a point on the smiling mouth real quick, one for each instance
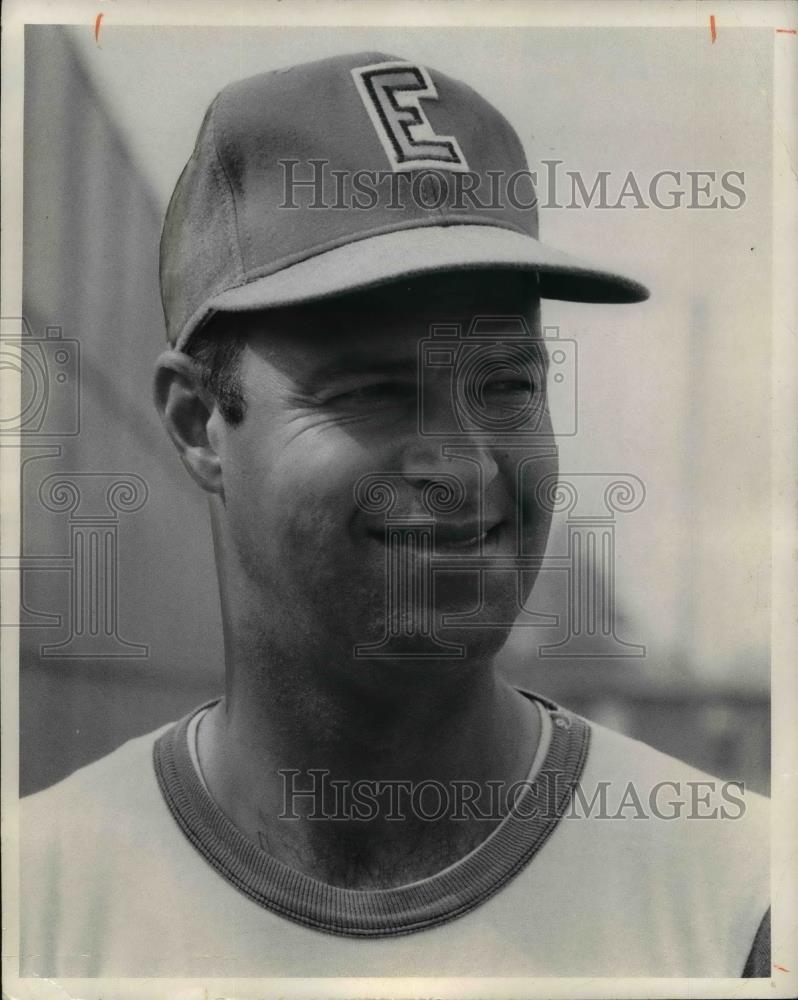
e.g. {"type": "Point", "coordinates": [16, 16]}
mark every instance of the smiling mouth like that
{"type": "Point", "coordinates": [450, 538]}
{"type": "Point", "coordinates": [466, 539]}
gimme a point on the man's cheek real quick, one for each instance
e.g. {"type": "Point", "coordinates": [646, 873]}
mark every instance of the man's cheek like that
{"type": "Point", "coordinates": [316, 515]}
{"type": "Point", "coordinates": [325, 480]}
{"type": "Point", "coordinates": [535, 502]}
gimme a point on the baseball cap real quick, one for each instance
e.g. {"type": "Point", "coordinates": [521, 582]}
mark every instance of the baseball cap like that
{"type": "Point", "coordinates": [345, 174]}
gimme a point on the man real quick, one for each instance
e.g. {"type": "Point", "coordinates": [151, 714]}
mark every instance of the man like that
{"type": "Point", "coordinates": [369, 798]}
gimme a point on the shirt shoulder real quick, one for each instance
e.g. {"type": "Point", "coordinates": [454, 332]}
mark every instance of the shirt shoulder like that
{"type": "Point", "coordinates": [686, 851]}
{"type": "Point", "coordinates": [123, 782]}
{"type": "Point", "coordinates": [638, 770]}
{"type": "Point", "coordinates": [77, 838]}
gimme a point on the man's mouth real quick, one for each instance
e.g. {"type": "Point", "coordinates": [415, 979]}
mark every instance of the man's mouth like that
{"type": "Point", "coordinates": [465, 538]}
{"type": "Point", "coordinates": [471, 537]}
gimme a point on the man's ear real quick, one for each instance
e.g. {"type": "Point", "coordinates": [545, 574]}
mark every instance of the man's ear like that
{"type": "Point", "coordinates": [186, 408]}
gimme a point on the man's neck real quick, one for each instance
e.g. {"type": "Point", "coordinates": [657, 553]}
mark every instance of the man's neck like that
{"type": "Point", "coordinates": [408, 763]}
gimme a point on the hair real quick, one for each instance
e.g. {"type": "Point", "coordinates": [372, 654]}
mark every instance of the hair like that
{"type": "Point", "coordinates": [216, 349]}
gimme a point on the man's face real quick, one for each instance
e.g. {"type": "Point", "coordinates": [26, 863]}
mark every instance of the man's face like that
{"type": "Point", "coordinates": [333, 426]}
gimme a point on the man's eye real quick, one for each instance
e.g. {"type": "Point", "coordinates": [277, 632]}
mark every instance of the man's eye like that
{"type": "Point", "coordinates": [512, 386]}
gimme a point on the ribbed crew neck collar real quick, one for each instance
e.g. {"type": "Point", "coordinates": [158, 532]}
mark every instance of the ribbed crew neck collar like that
{"type": "Point", "coordinates": [382, 912]}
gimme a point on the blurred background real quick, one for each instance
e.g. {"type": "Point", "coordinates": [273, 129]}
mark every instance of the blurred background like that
{"type": "Point", "coordinates": [120, 617]}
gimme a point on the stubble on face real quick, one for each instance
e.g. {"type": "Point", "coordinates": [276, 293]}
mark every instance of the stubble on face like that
{"type": "Point", "coordinates": [332, 397]}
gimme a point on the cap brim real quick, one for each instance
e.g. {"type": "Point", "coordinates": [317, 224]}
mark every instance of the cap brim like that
{"type": "Point", "coordinates": [405, 253]}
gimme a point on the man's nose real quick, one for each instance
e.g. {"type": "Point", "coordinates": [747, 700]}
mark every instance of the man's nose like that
{"type": "Point", "coordinates": [466, 456]}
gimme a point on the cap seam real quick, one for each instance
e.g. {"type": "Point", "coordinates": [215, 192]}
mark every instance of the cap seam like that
{"type": "Point", "coordinates": [228, 195]}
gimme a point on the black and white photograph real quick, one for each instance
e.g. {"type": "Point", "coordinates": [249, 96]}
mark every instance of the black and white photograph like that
{"type": "Point", "coordinates": [398, 472]}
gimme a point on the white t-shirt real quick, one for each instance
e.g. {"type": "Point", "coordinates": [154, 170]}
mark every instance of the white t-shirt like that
{"type": "Point", "coordinates": [128, 868]}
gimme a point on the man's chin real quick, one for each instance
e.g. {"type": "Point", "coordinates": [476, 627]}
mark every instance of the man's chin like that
{"type": "Point", "coordinates": [421, 634]}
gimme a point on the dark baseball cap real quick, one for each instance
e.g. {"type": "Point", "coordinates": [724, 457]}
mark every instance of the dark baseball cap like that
{"type": "Point", "coordinates": [345, 174]}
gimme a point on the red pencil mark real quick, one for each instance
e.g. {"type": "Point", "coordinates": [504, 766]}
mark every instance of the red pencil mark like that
{"type": "Point", "coordinates": [785, 31]}
{"type": "Point", "coordinates": [712, 28]}
{"type": "Point", "coordinates": [97, 21]}
{"type": "Point", "coordinates": [780, 968]}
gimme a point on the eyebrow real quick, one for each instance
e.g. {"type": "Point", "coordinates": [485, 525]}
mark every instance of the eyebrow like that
{"type": "Point", "coordinates": [355, 364]}
{"type": "Point", "coordinates": [359, 365]}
